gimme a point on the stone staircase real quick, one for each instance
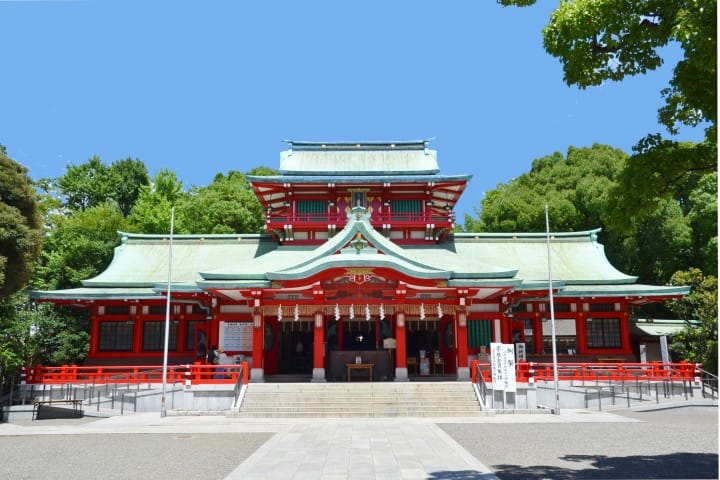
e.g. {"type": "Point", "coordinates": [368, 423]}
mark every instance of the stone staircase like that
{"type": "Point", "coordinates": [377, 399]}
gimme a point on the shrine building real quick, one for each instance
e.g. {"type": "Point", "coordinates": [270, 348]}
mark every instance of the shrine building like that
{"type": "Point", "coordinates": [359, 264]}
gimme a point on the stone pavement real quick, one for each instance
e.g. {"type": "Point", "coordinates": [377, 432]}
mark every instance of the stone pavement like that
{"type": "Point", "coordinates": [357, 448]}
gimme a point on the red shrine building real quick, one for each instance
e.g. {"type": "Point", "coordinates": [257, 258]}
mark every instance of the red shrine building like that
{"type": "Point", "coordinates": [359, 264]}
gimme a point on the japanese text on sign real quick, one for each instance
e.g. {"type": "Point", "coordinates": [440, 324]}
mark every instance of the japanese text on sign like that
{"type": "Point", "coordinates": [502, 364]}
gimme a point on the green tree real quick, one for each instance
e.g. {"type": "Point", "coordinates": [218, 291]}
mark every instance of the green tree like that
{"type": "Point", "coordinates": [85, 185]}
{"type": "Point", "coordinates": [92, 183]}
{"type": "Point", "coordinates": [80, 246]}
{"type": "Point", "coordinates": [39, 334]}
{"type": "Point", "coordinates": [659, 170]}
{"type": "Point", "coordinates": [151, 212]}
{"type": "Point", "coordinates": [576, 188]}
{"type": "Point", "coordinates": [129, 177]}
{"type": "Point", "coordinates": [698, 342]}
{"type": "Point", "coordinates": [582, 193]}
{"type": "Point", "coordinates": [599, 40]}
{"type": "Point", "coordinates": [227, 205]}
{"type": "Point", "coordinates": [20, 225]}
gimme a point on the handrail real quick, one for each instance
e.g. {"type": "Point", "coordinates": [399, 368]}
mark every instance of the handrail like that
{"type": "Point", "coordinates": [478, 380]}
{"type": "Point", "coordinates": [611, 371]}
{"type": "Point", "coordinates": [196, 373]}
{"type": "Point", "coordinates": [708, 381]}
{"type": "Point", "coordinates": [240, 386]}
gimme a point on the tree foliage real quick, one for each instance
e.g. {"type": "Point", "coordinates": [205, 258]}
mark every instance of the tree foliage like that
{"type": "Point", "coordinates": [582, 191]}
{"type": "Point", "coordinates": [129, 177]}
{"type": "Point", "coordinates": [79, 247]}
{"type": "Point", "coordinates": [20, 226]}
{"type": "Point", "coordinates": [39, 334]}
{"type": "Point", "coordinates": [92, 183]}
{"type": "Point", "coordinates": [697, 342]}
{"type": "Point", "coordinates": [83, 211]}
{"type": "Point", "coordinates": [151, 213]}
{"type": "Point", "coordinates": [576, 188]}
{"type": "Point", "coordinates": [660, 170]}
{"type": "Point", "coordinates": [598, 40]}
{"type": "Point", "coordinates": [227, 205]}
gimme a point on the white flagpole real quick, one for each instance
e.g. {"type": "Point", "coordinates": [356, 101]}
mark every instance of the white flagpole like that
{"type": "Point", "coordinates": [167, 316]}
{"type": "Point", "coordinates": [552, 315]}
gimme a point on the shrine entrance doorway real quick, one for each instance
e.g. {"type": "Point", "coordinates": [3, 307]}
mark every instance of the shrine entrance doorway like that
{"type": "Point", "coordinates": [295, 347]}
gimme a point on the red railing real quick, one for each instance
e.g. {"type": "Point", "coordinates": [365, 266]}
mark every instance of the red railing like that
{"type": "Point", "coordinates": [341, 218]}
{"type": "Point", "coordinates": [653, 371]}
{"type": "Point", "coordinates": [195, 373]}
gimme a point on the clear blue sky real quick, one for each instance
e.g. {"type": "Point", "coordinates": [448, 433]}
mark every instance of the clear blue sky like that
{"type": "Point", "coordinates": [210, 86]}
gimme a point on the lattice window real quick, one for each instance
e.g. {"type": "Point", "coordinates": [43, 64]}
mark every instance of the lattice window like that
{"type": "Point", "coordinates": [479, 333]}
{"type": "Point", "coordinates": [314, 210]}
{"type": "Point", "coordinates": [407, 206]}
{"type": "Point", "coordinates": [117, 310]}
{"type": "Point", "coordinates": [154, 336]}
{"type": "Point", "coordinates": [116, 336]}
{"type": "Point", "coordinates": [603, 333]}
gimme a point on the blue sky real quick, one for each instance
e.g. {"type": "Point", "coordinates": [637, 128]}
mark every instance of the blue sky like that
{"type": "Point", "coordinates": [212, 86]}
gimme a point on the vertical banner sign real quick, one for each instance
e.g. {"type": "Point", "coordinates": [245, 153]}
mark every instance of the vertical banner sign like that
{"type": "Point", "coordinates": [502, 364]}
{"type": "Point", "coordinates": [496, 365]}
{"type": "Point", "coordinates": [664, 353]}
{"type": "Point", "coordinates": [520, 352]}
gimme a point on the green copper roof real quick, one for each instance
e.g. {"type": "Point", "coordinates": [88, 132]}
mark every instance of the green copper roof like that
{"type": "Point", "coordinates": [288, 263]}
{"type": "Point", "coordinates": [142, 260]}
{"type": "Point", "coordinates": [660, 327]}
{"type": "Point", "coordinates": [576, 257]}
{"type": "Point", "coordinates": [579, 265]}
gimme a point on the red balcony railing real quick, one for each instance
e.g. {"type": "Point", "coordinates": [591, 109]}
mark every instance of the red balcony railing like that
{"type": "Point", "coordinates": [139, 374]}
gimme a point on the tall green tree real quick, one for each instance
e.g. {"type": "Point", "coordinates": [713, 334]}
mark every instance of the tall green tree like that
{"type": "Point", "coordinates": [576, 187]}
{"type": "Point", "coordinates": [581, 191]}
{"type": "Point", "coordinates": [697, 342]}
{"type": "Point", "coordinates": [92, 183]}
{"type": "Point", "coordinates": [599, 40]}
{"type": "Point", "coordinates": [129, 177]}
{"type": "Point", "coordinates": [79, 246]}
{"type": "Point", "coordinates": [85, 185]}
{"type": "Point", "coordinates": [39, 334]}
{"type": "Point", "coordinates": [227, 205]}
{"type": "Point", "coordinates": [662, 171]}
{"type": "Point", "coordinates": [151, 212]}
{"type": "Point", "coordinates": [20, 225]}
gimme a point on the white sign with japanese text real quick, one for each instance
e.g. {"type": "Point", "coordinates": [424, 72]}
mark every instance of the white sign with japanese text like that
{"type": "Point", "coordinates": [502, 365]}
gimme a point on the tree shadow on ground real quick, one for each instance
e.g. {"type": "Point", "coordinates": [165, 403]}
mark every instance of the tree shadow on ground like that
{"type": "Point", "coordinates": [671, 466]}
{"type": "Point", "coordinates": [460, 475]}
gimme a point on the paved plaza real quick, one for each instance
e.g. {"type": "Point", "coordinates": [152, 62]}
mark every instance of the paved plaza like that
{"type": "Point", "coordinates": [669, 444]}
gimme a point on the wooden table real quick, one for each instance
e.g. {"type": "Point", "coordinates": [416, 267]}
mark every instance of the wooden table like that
{"type": "Point", "coordinates": [359, 366]}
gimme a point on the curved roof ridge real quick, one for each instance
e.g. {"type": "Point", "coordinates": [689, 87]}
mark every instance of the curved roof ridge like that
{"type": "Point", "coordinates": [359, 222]}
{"type": "Point", "coordinates": [183, 236]}
{"type": "Point", "coordinates": [592, 234]}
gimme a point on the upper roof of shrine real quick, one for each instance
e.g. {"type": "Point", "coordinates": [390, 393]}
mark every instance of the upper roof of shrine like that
{"type": "Point", "coordinates": [358, 158]}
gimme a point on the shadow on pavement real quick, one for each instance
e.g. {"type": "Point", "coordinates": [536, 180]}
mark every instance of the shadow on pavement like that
{"type": "Point", "coordinates": [671, 466]}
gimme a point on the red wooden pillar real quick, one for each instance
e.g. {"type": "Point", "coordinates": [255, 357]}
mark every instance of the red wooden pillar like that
{"type": "Point", "coordinates": [257, 372]}
{"type": "Point", "coordinates": [401, 373]}
{"type": "Point", "coordinates": [318, 348]}
{"type": "Point", "coordinates": [94, 333]}
{"type": "Point", "coordinates": [581, 333]}
{"type": "Point", "coordinates": [463, 372]}
{"type": "Point", "coordinates": [625, 332]}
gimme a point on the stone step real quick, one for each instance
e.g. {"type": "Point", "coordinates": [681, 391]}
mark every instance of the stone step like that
{"type": "Point", "coordinates": [432, 399]}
